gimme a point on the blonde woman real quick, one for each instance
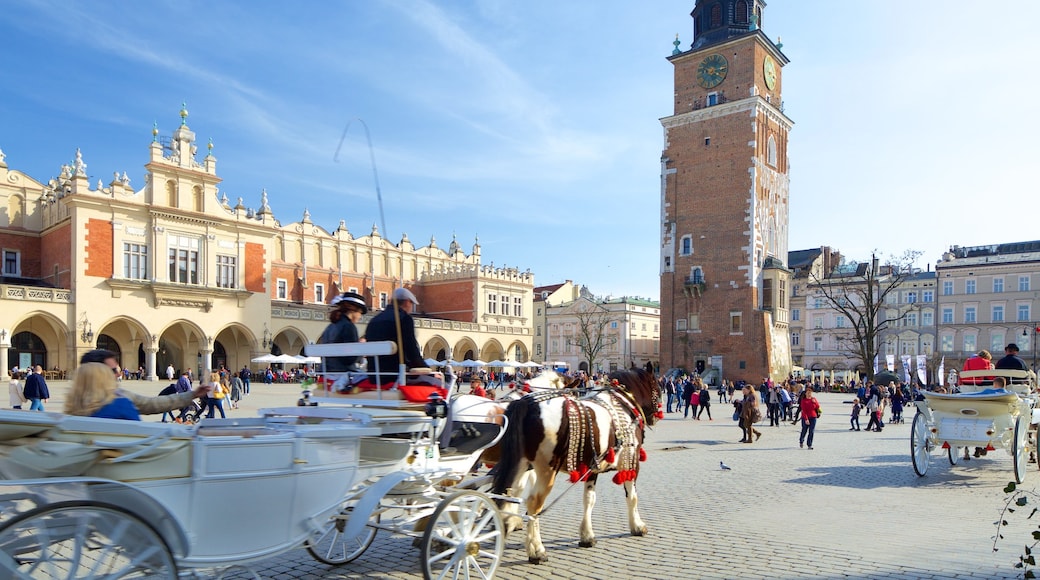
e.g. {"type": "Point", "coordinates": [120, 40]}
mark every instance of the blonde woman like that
{"type": "Point", "coordinates": [215, 399]}
{"type": "Point", "coordinates": [93, 394]}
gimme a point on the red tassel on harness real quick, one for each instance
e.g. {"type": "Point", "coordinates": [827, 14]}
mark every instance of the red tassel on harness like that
{"type": "Point", "coordinates": [575, 476]}
{"type": "Point", "coordinates": [617, 478]}
{"type": "Point", "coordinates": [642, 454]}
{"type": "Point", "coordinates": [610, 455]}
{"type": "Point", "coordinates": [659, 415]}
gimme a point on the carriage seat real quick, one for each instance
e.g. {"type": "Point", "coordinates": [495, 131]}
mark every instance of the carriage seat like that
{"type": "Point", "coordinates": [467, 437]}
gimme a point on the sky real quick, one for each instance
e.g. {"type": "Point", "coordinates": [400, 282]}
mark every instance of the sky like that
{"type": "Point", "coordinates": [534, 125]}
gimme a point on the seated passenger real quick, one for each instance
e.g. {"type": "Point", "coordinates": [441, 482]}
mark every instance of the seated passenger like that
{"type": "Point", "coordinates": [93, 394]}
{"type": "Point", "coordinates": [350, 307]}
{"type": "Point", "coordinates": [978, 362]}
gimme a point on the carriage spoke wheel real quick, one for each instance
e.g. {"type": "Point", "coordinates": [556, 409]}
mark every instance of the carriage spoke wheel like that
{"type": "Point", "coordinates": [464, 538]}
{"type": "Point", "coordinates": [330, 546]}
{"type": "Point", "coordinates": [81, 541]}
{"type": "Point", "coordinates": [919, 451]}
{"type": "Point", "coordinates": [1020, 448]}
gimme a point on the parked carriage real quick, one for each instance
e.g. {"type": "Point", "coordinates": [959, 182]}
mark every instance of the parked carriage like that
{"type": "Point", "coordinates": [978, 417]}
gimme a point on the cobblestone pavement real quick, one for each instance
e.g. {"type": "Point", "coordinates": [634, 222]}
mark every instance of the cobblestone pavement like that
{"type": "Point", "coordinates": [850, 508]}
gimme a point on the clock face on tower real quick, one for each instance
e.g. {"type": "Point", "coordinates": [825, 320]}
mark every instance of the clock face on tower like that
{"type": "Point", "coordinates": [769, 72]}
{"type": "Point", "coordinates": [712, 71]}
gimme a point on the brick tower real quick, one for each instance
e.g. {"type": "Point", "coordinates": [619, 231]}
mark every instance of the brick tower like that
{"type": "Point", "coordinates": [724, 200]}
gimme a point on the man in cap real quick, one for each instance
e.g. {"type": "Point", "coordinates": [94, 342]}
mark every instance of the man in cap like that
{"type": "Point", "coordinates": [384, 327]}
{"type": "Point", "coordinates": [350, 307]}
{"type": "Point", "coordinates": [1011, 359]}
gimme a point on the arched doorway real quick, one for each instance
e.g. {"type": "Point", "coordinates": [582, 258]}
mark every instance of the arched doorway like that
{"type": "Point", "coordinates": [27, 350]}
{"type": "Point", "coordinates": [220, 357]}
{"type": "Point", "coordinates": [106, 342]}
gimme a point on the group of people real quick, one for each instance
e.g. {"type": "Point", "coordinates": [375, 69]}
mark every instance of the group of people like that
{"type": "Point", "coordinates": [689, 395]}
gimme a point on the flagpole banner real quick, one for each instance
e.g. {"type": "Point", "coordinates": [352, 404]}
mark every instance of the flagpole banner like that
{"type": "Point", "coordinates": [921, 366]}
{"type": "Point", "coordinates": [942, 370]}
{"type": "Point", "coordinates": [906, 367]}
{"type": "Point", "coordinates": [890, 362]}
{"type": "Point", "coordinates": [875, 364]}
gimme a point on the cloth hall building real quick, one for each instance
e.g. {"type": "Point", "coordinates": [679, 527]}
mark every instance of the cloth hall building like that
{"type": "Point", "coordinates": [173, 274]}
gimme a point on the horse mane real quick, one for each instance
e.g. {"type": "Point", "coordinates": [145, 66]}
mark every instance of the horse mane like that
{"type": "Point", "coordinates": [644, 389]}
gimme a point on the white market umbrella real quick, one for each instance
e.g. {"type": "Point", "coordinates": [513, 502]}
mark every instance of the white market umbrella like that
{"type": "Point", "coordinates": [499, 363]}
{"type": "Point", "coordinates": [307, 360]}
{"type": "Point", "coordinates": [286, 359]}
{"type": "Point", "coordinates": [470, 364]}
{"type": "Point", "coordinates": [431, 362]}
{"type": "Point", "coordinates": [267, 358]}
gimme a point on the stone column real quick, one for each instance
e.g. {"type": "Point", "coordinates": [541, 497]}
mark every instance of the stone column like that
{"type": "Point", "coordinates": [4, 371]}
{"type": "Point", "coordinates": [149, 365]}
{"type": "Point", "coordinates": [207, 363]}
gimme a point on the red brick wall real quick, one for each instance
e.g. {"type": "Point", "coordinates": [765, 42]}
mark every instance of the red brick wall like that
{"type": "Point", "coordinates": [28, 246]}
{"type": "Point", "coordinates": [98, 248]}
{"type": "Point", "coordinates": [454, 300]}
{"type": "Point", "coordinates": [255, 267]}
{"type": "Point", "coordinates": [57, 247]}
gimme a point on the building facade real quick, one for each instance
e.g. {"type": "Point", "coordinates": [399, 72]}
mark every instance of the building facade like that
{"type": "Point", "coordinates": [987, 297]}
{"type": "Point", "coordinates": [623, 332]}
{"type": "Point", "coordinates": [724, 199]}
{"type": "Point", "coordinates": [171, 273]}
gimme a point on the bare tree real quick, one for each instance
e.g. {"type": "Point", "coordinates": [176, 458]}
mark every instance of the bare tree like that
{"type": "Point", "coordinates": [859, 291]}
{"type": "Point", "coordinates": [592, 335]}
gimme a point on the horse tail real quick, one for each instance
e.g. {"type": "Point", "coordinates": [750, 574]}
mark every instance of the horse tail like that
{"type": "Point", "coordinates": [510, 446]}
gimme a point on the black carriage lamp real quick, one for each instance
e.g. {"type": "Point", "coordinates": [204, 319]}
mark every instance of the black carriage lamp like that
{"type": "Point", "coordinates": [267, 337]}
{"type": "Point", "coordinates": [87, 335]}
{"type": "Point", "coordinates": [437, 407]}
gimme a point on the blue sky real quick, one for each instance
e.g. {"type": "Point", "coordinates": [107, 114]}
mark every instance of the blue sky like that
{"type": "Point", "coordinates": [534, 124]}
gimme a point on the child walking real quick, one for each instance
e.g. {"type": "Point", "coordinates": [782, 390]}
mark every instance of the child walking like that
{"type": "Point", "coordinates": [854, 420]}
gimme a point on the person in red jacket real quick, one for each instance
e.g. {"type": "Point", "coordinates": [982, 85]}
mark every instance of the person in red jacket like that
{"type": "Point", "coordinates": [983, 361]}
{"type": "Point", "coordinates": [810, 412]}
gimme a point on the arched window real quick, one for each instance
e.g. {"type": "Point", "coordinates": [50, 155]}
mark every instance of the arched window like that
{"type": "Point", "coordinates": [740, 12]}
{"type": "Point", "coordinates": [686, 245]}
{"type": "Point", "coordinates": [171, 194]}
{"type": "Point", "coordinates": [697, 275]}
{"type": "Point", "coordinates": [771, 151]}
{"type": "Point", "coordinates": [716, 16]}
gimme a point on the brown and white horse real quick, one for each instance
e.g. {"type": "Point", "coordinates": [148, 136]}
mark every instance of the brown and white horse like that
{"type": "Point", "coordinates": [553, 431]}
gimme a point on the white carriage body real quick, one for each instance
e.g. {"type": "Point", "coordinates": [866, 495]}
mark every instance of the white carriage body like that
{"type": "Point", "coordinates": [239, 489]}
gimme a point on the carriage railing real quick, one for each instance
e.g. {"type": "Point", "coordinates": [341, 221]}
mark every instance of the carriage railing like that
{"type": "Point", "coordinates": [1020, 382]}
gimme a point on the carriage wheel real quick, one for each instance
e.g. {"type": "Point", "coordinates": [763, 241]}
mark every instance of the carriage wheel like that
{"type": "Point", "coordinates": [954, 453]}
{"type": "Point", "coordinates": [82, 540]}
{"type": "Point", "coordinates": [329, 546]}
{"type": "Point", "coordinates": [919, 451]}
{"type": "Point", "coordinates": [464, 538]}
{"type": "Point", "coordinates": [1020, 448]}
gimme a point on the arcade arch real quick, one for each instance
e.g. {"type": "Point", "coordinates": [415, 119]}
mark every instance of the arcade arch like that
{"type": "Point", "coordinates": [437, 348]}
{"type": "Point", "coordinates": [41, 339]}
{"type": "Point", "coordinates": [465, 349]}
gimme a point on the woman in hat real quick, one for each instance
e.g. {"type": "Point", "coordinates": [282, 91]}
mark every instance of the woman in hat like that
{"type": "Point", "coordinates": [350, 307]}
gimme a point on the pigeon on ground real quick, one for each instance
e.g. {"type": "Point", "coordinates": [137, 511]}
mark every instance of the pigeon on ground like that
{"type": "Point", "coordinates": [723, 466]}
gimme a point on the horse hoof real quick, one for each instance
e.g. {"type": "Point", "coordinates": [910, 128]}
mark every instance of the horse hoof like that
{"type": "Point", "coordinates": [641, 532]}
{"type": "Point", "coordinates": [587, 543]}
{"type": "Point", "coordinates": [537, 559]}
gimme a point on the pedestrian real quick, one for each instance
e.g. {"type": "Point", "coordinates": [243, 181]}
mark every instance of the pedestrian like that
{"type": "Point", "coordinates": [15, 389]}
{"type": "Point", "coordinates": [774, 400]}
{"type": "Point", "coordinates": [36, 390]}
{"type": "Point", "coordinates": [810, 411]}
{"type": "Point", "coordinates": [692, 395]}
{"type": "Point", "coordinates": [214, 400]}
{"type": "Point", "coordinates": [874, 409]}
{"type": "Point", "coordinates": [169, 372]}
{"type": "Point", "coordinates": [749, 415]}
{"type": "Point", "coordinates": [722, 392]}
{"type": "Point", "coordinates": [703, 400]}
{"type": "Point", "coordinates": [897, 400]}
{"type": "Point", "coordinates": [854, 419]}
{"type": "Point", "coordinates": [245, 374]}
{"type": "Point", "coordinates": [669, 387]}
{"type": "Point", "coordinates": [785, 402]}
{"type": "Point", "coordinates": [236, 391]}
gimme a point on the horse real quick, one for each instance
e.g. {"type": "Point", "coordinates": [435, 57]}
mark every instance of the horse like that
{"type": "Point", "coordinates": [542, 381]}
{"type": "Point", "coordinates": [553, 431]}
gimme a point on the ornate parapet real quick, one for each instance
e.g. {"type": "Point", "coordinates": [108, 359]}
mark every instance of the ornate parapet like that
{"type": "Point", "coordinates": [35, 294]}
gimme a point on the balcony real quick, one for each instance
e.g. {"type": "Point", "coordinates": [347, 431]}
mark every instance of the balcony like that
{"type": "Point", "coordinates": [694, 285]}
{"type": "Point", "coordinates": [35, 293]}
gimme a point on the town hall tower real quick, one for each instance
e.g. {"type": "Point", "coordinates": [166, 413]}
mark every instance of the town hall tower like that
{"type": "Point", "coordinates": [724, 200]}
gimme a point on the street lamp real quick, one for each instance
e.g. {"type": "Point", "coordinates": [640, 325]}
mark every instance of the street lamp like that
{"type": "Point", "coordinates": [87, 334]}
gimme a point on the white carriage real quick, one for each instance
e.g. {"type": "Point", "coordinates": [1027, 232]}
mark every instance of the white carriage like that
{"type": "Point", "coordinates": [102, 498]}
{"type": "Point", "coordinates": [978, 417]}
{"type": "Point", "coordinates": [87, 498]}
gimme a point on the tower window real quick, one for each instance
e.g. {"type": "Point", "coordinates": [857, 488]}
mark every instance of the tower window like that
{"type": "Point", "coordinates": [716, 16]}
{"type": "Point", "coordinates": [771, 151]}
{"type": "Point", "coordinates": [707, 141]}
{"type": "Point", "coordinates": [686, 245]}
{"type": "Point", "coordinates": [740, 12]}
{"type": "Point", "coordinates": [711, 100]}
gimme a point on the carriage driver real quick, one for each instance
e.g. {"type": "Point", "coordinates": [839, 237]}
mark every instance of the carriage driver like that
{"type": "Point", "coordinates": [145, 405]}
{"type": "Point", "coordinates": [384, 327]}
